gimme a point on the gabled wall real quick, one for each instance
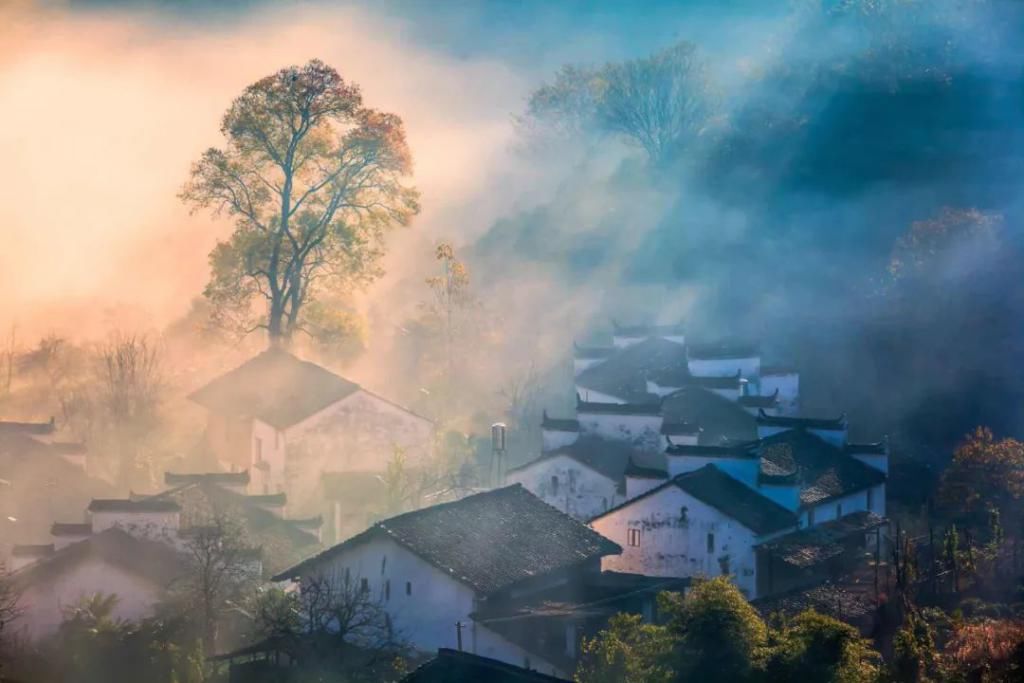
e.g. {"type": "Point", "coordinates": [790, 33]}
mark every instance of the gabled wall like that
{"type": "Point", "coordinates": [744, 470]}
{"type": "Point", "coordinates": [749, 368]}
{"type": "Point", "coordinates": [579, 492]}
{"type": "Point", "coordinates": [641, 430]}
{"type": "Point", "coordinates": [152, 525]}
{"type": "Point", "coordinates": [671, 544]}
{"type": "Point", "coordinates": [552, 439]}
{"type": "Point", "coordinates": [788, 385]}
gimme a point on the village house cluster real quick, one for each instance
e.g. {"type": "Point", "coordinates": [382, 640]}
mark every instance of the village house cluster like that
{"type": "Point", "coordinates": [682, 461]}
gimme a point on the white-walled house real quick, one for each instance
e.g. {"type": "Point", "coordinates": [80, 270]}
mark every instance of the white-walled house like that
{"type": "Point", "coordinates": [111, 562]}
{"type": "Point", "coordinates": [288, 421]}
{"type": "Point", "coordinates": [436, 567]}
{"type": "Point", "coordinates": [700, 523]}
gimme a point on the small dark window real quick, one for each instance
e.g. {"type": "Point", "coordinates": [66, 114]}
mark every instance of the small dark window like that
{"type": "Point", "coordinates": [839, 510]}
{"type": "Point", "coordinates": [711, 543]}
{"type": "Point", "coordinates": [554, 486]}
{"type": "Point", "coordinates": [383, 564]}
{"type": "Point", "coordinates": [634, 537]}
{"type": "Point", "coordinates": [871, 500]}
{"type": "Point", "coordinates": [364, 585]}
{"type": "Point", "coordinates": [682, 514]}
{"type": "Point", "coordinates": [387, 589]}
{"type": "Point", "coordinates": [408, 587]}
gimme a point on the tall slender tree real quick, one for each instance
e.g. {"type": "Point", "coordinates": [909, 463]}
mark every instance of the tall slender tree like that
{"type": "Point", "coordinates": [313, 179]}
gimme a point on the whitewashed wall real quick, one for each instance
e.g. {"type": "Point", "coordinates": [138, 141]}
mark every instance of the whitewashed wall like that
{"type": "Point", "coordinates": [641, 430]}
{"type": "Point", "coordinates": [271, 445]}
{"type": "Point", "coordinates": [356, 434]}
{"type": "Point", "coordinates": [623, 341]}
{"type": "Point", "coordinates": [43, 602]}
{"type": "Point", "coordinates": [580, 491]}
{"type": "Point", "coordinates": [828, 511]}
{"type": "Point", "coordinates": [556, 438]}
{"type": "Point", "coordinates": [425, 619]}
{"type": "Point", "coordinates": [636, 486]}
{"type": "Point", "coordinates": [670, 546]}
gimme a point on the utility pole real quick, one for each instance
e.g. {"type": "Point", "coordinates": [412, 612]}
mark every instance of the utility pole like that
{"type": "Point", "coordinates": [458, 634]}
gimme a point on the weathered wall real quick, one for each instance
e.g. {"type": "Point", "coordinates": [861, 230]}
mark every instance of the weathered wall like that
{"type": "Point", "coordinates": [556, 438]}
{"type": "Point", "coordinates": [742, 469]}
{"type": "Point", "coordinates": [567, 485]}
{"type": "Point", "coordinates": [673, 545]}
{"type": "Point", "coordinates": [44, 602]}
{"type": "Point", "coordinates": [153, 525]}
{"type": "Point", "coordinates": [596, 396]}
{"type": "Point", "coordinates": [642, 430]}
{"type": "Point", "coordinates": [788, 385]}
{"type": "Point", "coordinates": [749, 368]}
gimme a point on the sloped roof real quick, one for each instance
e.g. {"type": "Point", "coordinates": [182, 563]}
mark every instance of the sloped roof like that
{"type": "Point", "coordinates": [828, 423]}
{"type": "Point", "coordinates": [624, 374]}
{"type": "Point", "coordinates": [817, 544]}
{"type": "Point", "coordinates": [487, 541]}
{"type": "Point", "coordinates": [717, 489]}
{"type": "Point", "coordinates": [648, 408]}
{"type": "Point", "coordinates": [722, 350]}
{"type": "Point", "coordinates": [275, 387]}
{"type": "Point", "coordinates": [673, 329]}
{"type": "Point", "coordinates": [29, 428]}
{"type": "Point", "coordinates": [70, 529]}
{"type": "Point", "coordinates": [152, 560]}
{"type": "Point", "coordinates": [129, 505]}
{"type": "Point", "coordinates": [681, 377]}
{"type": "Point", "coordinates": [641, 472]}
{"type": "Point", "coordinates": [608, 457]}
{"type": "Point", "coordinates": [676, 428]}
{"type": "Point", "coordinates": [452, 666]}
{"type": "Point", "coordinates": [557, 424]}
{"type": "Point", "coordinates": [228, 478]}
{"type": "Point", "coordinates": [823, 470]}
{"type": "Point", "coordinates": [719, 418]}
{"type": "Point", "coordinates": [283, 541]}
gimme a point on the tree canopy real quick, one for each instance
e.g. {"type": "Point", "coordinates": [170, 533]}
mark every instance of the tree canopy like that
{"type": "Point", "coordinates": [313, 180]}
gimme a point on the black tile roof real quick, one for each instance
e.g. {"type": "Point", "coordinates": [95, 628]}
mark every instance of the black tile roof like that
{"type": "Point", "coordinates": [722, 350]}
{"type": "Point", "coordinates": [30, 428]}
{"type": "Point", "coordinates": [284, 542]}
{"type": "Point", "coordinates": [593, 352]}
{"type": "Point", "coordinates": [708, 451]}
{"type": "Point", "coordinates": [833, 423]}
{"type": "Point", "coordinates": [640, 472]}
{"type": "Point", "coordinates": [717, 489]}
{"type": "Point", "coordinates": [878, 448]}
{"type": "Point", "coordinates": [127, 505]}
{"type": "Point", "coordinates": [817, 544]}
{"type": "Point", "coordinates": [556, 424]}
{"type": "Point", "coordinates": [624, 374]}
{"type": "Point", "coordinates": [35, 550]}
{"type": "Point", "coordinates": [718, 417]}
{"type": "Point", "coordinates": [674, 329]}
{"type": "Point", "coordinates": [617, 408]}
{"type": "Point", "coordinates": [230, 478]}
{"type": "Point", "coordinates": [70, 529]}
{"type": "Point", "coordinates": [608, 457]}
{"type": "Point", "coordinates": [676, 428]}
{"type": "Point", "coordinates": [153, 560]}
{"type": "Point", "coordinates": [452, 666]}
{"type": "Point", "coordinates": [275, 387]}
{"type": "Point", "coordinates": [761, 402]}
{"type": "Point", "coordinates": [681, 377]}
{"type": "Point", "coordinates": [488, 541]}
{"type": "Point", "coordinates": [823, 470]}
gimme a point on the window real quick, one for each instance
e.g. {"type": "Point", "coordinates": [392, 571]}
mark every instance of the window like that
{"type": "Point", "coordinates": [364, 585]}
{"type": "Point", "coordinates": [683, 519]}
{"type": "Point", "coordinates": [383, 564]}
{"type": "Point", "coordinates": [711, 543]}
{"type": "Point", "coordinates": [633, 536]}
{"type": "Point", "coordinates": [408, 587]}
{"type": "Point", "coordinates": [387, 589]}
{"type": "Point", "coordinates": [257, 449]}
{"type": "Point", "coordinates": [839, 510]}
{"type": "Point", "coordinates": [871, 500]}
{"type": "Point", "coordinates": [554, 486]}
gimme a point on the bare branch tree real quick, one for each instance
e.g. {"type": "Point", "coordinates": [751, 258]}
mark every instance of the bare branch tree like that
{"type": "Point", "coordinates": [222, 567]}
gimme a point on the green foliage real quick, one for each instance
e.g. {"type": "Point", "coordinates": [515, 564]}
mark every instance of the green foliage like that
{"type": "Point", "coordinates": [914, 651]}
{"type": "Point", "coordinates": [627, 651]}
{"type": "Point", "coordinates": [815, 647]}
{"type": "Point", "coordinates": [721, 637]}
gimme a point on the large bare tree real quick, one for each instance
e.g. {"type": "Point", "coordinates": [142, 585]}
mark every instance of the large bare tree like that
{"type": "Point", "coordinates": [313, 179]}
